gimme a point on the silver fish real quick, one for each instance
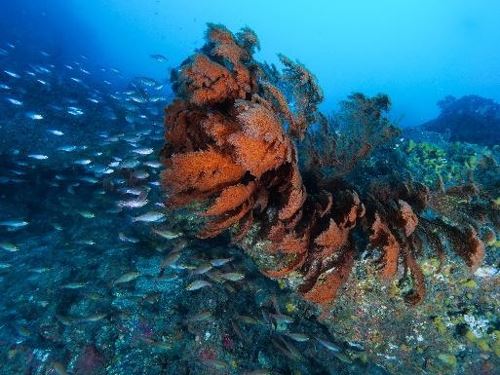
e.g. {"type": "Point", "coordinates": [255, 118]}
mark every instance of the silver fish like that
{"type": "Point", "coordinates": [198, 284]}
{"type": "Point", "coordinates": [8, 246]}
{"type": "Point", "coordinates": [129, 276]}
{"type": "Point", "coordinates": [328, 345]}
{"type": "Point", "coordinates": [56, 132]}
{"type": "Point", "coordinates": [233, 276]}
{"type": "Point", "coordinates": [13, 223]}
{"type": "Point", "coordinates": [143, 151]}
{"type": "Point", "coordinates": [149, 217]}
{"type": "Point", "coordinates": [167, 234]}
{"type": "Point", "coordinates": [34, 116]}
{"type": "Point", "coordinates": [38, 156]}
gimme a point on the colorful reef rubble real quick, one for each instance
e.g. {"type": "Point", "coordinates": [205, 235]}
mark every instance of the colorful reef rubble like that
{"type": "Point", "coordinates": [304, 195]}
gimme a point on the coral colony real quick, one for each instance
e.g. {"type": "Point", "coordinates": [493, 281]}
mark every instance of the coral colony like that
{"type": "Point", "coordinates": [304, 195]}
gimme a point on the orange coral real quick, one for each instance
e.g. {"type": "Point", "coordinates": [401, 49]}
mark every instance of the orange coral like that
{"type": "Point", "coordinates": [383, 237]}
{"type": "Point", "coordinates": [203, 171]}
{"type": "Point", "coordinates": [327, 285]}
{"type": "Point", "coordinates": [408, 218]}
{"type": "Point", "coordinates": [231, 144]}
{"type": "Point", "coordinates": [231, 198]}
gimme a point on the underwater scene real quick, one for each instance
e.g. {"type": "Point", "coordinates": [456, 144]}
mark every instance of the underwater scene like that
{"type": "Point", "coordinates": [249, 188]}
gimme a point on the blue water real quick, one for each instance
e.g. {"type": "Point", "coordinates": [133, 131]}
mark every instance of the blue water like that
{"type": "Point", "coordinates": [91, 287]}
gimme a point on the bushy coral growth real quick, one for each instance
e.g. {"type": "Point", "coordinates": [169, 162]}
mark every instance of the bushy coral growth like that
{"type": "Point", "coordinates": [231, 145]}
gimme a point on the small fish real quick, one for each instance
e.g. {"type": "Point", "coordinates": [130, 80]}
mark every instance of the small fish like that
{"type": "Point", "coordinates": [14, 101]}
{"type": "Point", "coordinates": [146, 81]}
{"type": "Point", "coordinates": [220, 261]}
{"type": "Point", "coordinates": [4, 266]}
{"type": "Point", "coordinates": [140, 175]}
{"type": "Point", "coordinates": [74, 111]}
{"type": "Point", "coordinates": [198, 284]}
{"type": "Point", "coordinates": [38, 156]}
{"type": "Point", "coordinates": [167, 234]}
{"type": "Point", "coordinates": [355, 345]}
{"type": "Point", "coordinates": [86, 214]}
{"type": "Point", "coordinates": [129, 164]}
{"type": "Point", "coordinates": [67, 148]}
{"type": "Point", "coordinates": [56, 132]}
{"type": "Point", "coordinates": [13, 223]}
{"type": "Point", "coordinates": [202, 269]}
{"type": "Point", "coordinates": [152, 164]}
{"type": "Point", "coordinates": [90, 180]}
{"type": "Point", "coordinates": [233, 276]}
{"type": "Point", "coordinates": [34, 116]}
{"type": "Point", "coordinates": [8, 246]}
{"type": "Point", "coordinates": [328, 345]}
{"type": "Point", "coordinates": [74, 285]}
{"type": "Point", "coordinates": [149, 217]}
{"type": "Point", "coordinates": [245, 319]}
{"type": "Point", "coordinates": [83, 162]}
{"type": "Point", "coordinates": [57, 226]}
{"type": "Point", "coordinates": [133, 203]}
{"type": "Point", "coordinates": [158, 57]}
{"type": "Point", "coordinates": [132, 191]}
{"type": "Point", "coordinates": [282, 318]}
{"type": "Point", "coordinates": [170, 259]}
{"type": "Point", "coordinates": [40, 270]}
{"type": "Point", "coordinates": [299, 337]}
{"type": "Point", "coordinates": [143, 151]}
{"type": "Point", "coordinates": [93, 318]}
{"type": "Point", "coordinates": [129, 276]}
{"type": "Point", "coordinates": [86, 242]}
{"type": "Point", "coordinates": [12, 74]}
{"type": "Point", "coordinates": [125, 238]}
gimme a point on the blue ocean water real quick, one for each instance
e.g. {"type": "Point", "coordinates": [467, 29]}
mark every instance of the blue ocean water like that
{"type": "Point", "coordinates": [99, 277]}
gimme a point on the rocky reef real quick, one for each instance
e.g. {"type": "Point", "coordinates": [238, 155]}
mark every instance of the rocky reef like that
{"type": "Point", "coordinates": [471, 118]}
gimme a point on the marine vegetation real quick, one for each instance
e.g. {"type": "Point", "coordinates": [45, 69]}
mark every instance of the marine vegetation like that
{"type": "Point", "coordinates": [307, 196]}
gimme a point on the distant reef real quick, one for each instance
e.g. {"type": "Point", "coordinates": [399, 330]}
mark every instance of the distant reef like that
{"type": "Point", "coordinates": [471, 118]}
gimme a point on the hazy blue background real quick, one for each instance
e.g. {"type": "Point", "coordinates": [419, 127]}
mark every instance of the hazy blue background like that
{"type": "Point", "coordinates": [416, 51]}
